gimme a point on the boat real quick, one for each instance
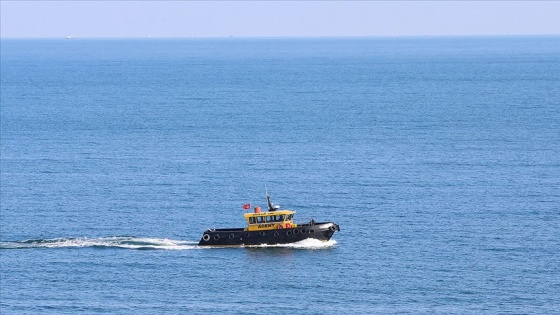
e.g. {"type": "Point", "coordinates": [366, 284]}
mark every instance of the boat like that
{"type": "Point", "coordinates": [271, 227]}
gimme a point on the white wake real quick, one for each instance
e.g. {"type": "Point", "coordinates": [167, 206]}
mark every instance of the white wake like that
{"type": "Point", "coordinates": [128, 242]}
{"type": "Point", "coordinates": [142, 243]}
{"type": "Point", "coordinates": [309, 243]}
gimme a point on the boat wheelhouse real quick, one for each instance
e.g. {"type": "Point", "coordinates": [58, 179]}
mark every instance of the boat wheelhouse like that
{"type": "Point", "coordinates": [279, 219]}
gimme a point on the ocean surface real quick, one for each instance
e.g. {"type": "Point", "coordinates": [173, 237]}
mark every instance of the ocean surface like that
{"type": "Point", "coordinates": [439, 157]}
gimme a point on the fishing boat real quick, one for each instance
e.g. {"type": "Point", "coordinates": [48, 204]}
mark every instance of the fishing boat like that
{"type": "Point", "coordinates": [274, 226]}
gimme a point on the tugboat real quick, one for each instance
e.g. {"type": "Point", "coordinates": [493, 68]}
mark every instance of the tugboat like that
{"type": "Point", "coordinates": [274, 226]}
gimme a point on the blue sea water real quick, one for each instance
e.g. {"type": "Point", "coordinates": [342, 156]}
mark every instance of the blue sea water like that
{"type": "Point", "coordinates": [438, 157]}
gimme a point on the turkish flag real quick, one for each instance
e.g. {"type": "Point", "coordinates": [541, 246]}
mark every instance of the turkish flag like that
{"type": "Point", "coordinates": [247, 206]}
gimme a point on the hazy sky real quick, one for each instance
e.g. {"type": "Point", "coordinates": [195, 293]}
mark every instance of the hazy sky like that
{"type": "Point", "coordinates": [275, 18]}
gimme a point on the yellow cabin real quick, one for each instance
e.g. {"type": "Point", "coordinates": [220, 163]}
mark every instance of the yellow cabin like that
{"type": "Point", "coordinates": [270, 220]}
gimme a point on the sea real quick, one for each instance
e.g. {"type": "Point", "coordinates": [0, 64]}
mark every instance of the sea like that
{"type": "Point", "coordinates": [439, 157]}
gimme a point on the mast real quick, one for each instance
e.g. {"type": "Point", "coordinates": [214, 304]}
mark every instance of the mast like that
{"type": "Point", "coordinates": [270, 208]}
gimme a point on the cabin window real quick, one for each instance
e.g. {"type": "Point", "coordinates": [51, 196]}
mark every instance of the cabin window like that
{"type": "Point", "coordinates": [260, 220]}
{"type": "Point", "coordinates": [290, 216]}
{"type": "Point", "coordinates": [280, 218]}
{"type": "Point", "coordinates": [271, 219]}
{"type": "Point", "coordinates": [252, 220]}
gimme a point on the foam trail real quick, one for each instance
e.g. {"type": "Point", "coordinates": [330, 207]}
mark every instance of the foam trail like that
{"type": "Point", "coordinates": [128, 242]}
{"type": "Point", "coordinates": [309, 243]}
{"type": "Point", "coordinates": [140, 243]}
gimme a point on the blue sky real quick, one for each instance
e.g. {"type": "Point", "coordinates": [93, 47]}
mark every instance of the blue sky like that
{"type": "Point", "coordinates": [275, 18]}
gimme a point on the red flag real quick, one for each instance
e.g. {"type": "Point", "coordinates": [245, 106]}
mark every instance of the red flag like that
{"type": "Point", "coordinates": [246, 206]}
